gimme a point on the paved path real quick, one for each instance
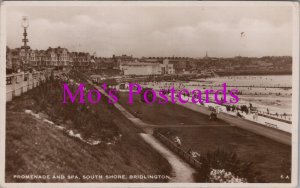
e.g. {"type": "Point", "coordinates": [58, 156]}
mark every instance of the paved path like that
{"type": "Point", "coordinates": [183, 173]}
{"type": "Point", "coordinates": [286, 127]}
{"type": "Point", "coordinates": [189, 126]}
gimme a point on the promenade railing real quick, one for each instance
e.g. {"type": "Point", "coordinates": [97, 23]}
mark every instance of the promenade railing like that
{"type": "Point", "coordinates": [178, 150]}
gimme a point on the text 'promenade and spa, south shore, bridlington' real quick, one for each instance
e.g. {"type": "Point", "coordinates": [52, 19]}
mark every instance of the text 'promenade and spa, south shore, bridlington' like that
{"type": "Point", "coordinates": [197, 94]}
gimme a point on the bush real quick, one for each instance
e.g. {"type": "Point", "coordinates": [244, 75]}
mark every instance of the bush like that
{"type": "Point", "coordinates": [229, 162]}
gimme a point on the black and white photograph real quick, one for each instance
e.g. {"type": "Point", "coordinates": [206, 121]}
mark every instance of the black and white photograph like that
{"type": "Point", "coordinates": [149, 94]}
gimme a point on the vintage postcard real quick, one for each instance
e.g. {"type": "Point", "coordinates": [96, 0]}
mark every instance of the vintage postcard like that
{"type": "Point", "coordinates": [149, 94]}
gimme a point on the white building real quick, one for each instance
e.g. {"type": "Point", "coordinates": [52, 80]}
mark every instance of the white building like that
{"type": "Point", "coordinates": [141, 68]}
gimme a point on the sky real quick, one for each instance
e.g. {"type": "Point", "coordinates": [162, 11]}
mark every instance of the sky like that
{"type": "Point", "coordinates": [139, 30]}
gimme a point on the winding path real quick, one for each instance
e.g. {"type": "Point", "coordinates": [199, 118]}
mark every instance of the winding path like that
{"type": "Point", "coordinates": [181, 171]}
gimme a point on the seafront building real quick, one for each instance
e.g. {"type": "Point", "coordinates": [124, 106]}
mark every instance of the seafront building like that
{"type": "Point", "coordinates": [144, 68]}
{"type": "Point", "coordinates": [59, 58]}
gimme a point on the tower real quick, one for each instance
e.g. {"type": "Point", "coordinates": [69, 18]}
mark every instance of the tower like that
{"type": "Point", "coordinates": [25, 40]}
{"type": "Point", "coordinates": [206, 55]}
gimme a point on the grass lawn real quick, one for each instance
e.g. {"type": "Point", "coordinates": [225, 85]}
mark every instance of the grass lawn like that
{"type": "Point", "coordinates": [267, 155]}
{"type": "Point", "coordinates": [167, 114]}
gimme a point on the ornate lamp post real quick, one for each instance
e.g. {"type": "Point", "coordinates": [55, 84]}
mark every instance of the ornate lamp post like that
{"type": "Point", "coordinates": [25, 25]}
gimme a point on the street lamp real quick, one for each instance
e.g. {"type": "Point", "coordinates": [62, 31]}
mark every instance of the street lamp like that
{"type": "Point", "coordinates": [25, 22]}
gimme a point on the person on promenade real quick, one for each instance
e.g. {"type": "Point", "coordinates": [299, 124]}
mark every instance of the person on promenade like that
{"type": "Point", "coordinates": [256, 116]}
{"type": "Point", "coordinates": [239, 115]}
{"type": "Point", "coordinates": [177, 141]}
{"type": "Point", "coordinates": [194, 154]}
{"type": "Point", "coordinates": [213, 116]}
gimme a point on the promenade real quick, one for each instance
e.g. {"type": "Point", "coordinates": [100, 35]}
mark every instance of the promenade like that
{"type": "Point", "coordinates": [270, 128]}
{"type": "Point", "coordinates": [263, 120]}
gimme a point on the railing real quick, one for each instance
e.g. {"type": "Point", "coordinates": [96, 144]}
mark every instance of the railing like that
{"type": "Point", "coordinates": [279, 117]}
{"type": "Point", "coordinates": [19, 83]}
{"type": "Point", "coordinates": [179, 151]}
